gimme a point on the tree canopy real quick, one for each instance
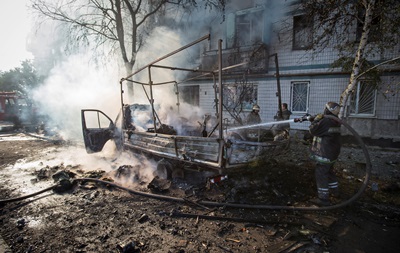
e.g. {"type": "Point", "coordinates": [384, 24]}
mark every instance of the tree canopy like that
{"type": "Point", "coordinates": [21, 79]}
{"type": "Point", "coordinates": [358, 29]}
{"type": "Point", "coordinates": [337, 21]}
{"type": "Point", "coordinates": [123, 25]}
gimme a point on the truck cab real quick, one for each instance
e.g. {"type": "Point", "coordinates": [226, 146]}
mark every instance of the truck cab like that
{"type": "Point", "coordinates": [15, 108]}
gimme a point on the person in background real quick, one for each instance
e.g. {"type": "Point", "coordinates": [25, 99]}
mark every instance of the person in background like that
{"type": "Point", "coordinates": [285, 112]}
{"type": "Point", "coordinates": [253, 134]}
{"type": "Point", "coordinates": [254, 116]}
{"type": "Point", "coordinates": [325, 149]}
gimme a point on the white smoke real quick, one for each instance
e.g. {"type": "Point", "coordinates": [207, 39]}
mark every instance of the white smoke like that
{"type": "Point", "coordinates": [73, 85]}
{"type": "Point", "coordinates": [162, 41]}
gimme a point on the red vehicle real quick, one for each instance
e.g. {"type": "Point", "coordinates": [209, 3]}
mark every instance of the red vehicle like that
{"type": "Point", "coordinates": [15, 108]}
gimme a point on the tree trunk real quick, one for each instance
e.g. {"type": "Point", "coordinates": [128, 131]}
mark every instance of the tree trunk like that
{"type": "Point", "coordinates": [129, 85]}
{"type": "Point", "coordinates": [359, 56]}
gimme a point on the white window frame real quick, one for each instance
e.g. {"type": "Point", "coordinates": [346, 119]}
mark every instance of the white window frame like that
{"type": "Point", "coordinates": [294, 98]}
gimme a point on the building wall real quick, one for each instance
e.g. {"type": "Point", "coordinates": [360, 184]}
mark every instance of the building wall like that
{"type": "Point", "coordinates": [326, 84]}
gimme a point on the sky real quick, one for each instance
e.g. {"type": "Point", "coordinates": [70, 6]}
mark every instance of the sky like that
{"type": "Point", "coordinates": [14, 28]}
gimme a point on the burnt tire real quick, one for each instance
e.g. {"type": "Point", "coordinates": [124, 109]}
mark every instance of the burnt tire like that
{"type": "Point", "coordinates": [163, 170]}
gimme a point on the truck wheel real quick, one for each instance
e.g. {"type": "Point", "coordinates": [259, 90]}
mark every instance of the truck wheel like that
{"type": "Point", "coordinates": [164, 169]}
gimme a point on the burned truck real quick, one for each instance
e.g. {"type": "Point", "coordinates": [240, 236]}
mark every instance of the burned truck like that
{"type": "Point", "coordinates": [17, 109]}
{"type": "Point", "coordinates": [210, 143]}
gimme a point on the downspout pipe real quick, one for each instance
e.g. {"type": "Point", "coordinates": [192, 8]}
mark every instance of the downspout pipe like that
{"type": "Point", "coordinates": [220, 116]}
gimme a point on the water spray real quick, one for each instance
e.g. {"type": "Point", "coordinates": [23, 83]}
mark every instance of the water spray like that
{"type": "Point", "coordinates": [306, 117]}
{"type": "Point", "coordinates": [263, 124]}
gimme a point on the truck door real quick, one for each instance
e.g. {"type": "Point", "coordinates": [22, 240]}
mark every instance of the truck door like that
{"type": "Point", "coordinates": [97, 129]}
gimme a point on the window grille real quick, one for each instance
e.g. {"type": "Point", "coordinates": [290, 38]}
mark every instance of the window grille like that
{"type": "Point", "coordinates": [363, 99]}
{"type": "Point", "coordinates": [300, 96]}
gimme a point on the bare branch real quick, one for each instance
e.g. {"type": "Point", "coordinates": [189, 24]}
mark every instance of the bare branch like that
{"type": "Point", "coordinates": [151, 12]}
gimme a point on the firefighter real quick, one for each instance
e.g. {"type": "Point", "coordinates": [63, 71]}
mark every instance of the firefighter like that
{"type": "Point", "coordinates": [325, 150]}
{"type": "Point", "coordinates": [254, 116]}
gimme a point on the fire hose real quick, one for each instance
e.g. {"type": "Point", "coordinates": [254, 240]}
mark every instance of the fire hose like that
{"type": "Point", "coordinates": [362, 188]}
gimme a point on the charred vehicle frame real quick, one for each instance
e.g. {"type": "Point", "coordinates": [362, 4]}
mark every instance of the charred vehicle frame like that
{"type": "Point", "coordinates": [217, 148]}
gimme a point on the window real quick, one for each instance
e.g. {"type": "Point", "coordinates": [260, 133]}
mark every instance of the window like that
{"type": "Point", "coordinates": [10, 102]}
{"type": "Point", "coordinates": [249, 28]}
{"type": "Point", "coordinates": [239, 97]}
{"type": "Point", "coordinates": [302, 33]}
{"type": "Point", "coordinates": [190, 94]}
{"type": "Point", "coordinates": [362, 101]}
{"type": "Point", "coordinates": [299, 96]}
{"type": "Point", "coordinates": [245, 27]}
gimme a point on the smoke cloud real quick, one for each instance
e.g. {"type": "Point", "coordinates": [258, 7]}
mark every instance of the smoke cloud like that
{"type": "Point", "coordinates": [73, 85]}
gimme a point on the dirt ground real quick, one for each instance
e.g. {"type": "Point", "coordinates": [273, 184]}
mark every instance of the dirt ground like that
{"type": "Point", "coordinates": [99, 217]}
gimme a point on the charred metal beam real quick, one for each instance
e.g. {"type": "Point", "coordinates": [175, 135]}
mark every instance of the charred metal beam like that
{"type": "Point", "coordinates": [168, 82]}
{"type": "Point", "coordinates": [214, 72]}
{"type": "Point", "coordinates": [183, 69]}
{"type": "Point", "coordinates": [168, 55]}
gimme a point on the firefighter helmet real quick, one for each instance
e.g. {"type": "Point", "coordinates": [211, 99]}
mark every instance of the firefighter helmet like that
{"type": "Point", "coordinates": [333, 108]}
{"type": "Point", "coordinates": [256, 107]}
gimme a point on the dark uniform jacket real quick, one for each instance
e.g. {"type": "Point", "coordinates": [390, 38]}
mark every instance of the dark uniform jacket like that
{"type": "Point", "coordinates": [326, 144]}
{"type": "Point", "coordinates": [285, 116]}
{"type": "Point", "coordinates": [253, 118]}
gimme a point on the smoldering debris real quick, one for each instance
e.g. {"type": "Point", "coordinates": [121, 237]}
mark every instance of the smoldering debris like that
{"type": "Point", "coordinates": [129, 172]}
{"type": "Point", "coordinates": [47, 172]}
{"type": "Point", "coordinates": [159, 185]}
{"type": "Point", "coordinates": [128, 175]}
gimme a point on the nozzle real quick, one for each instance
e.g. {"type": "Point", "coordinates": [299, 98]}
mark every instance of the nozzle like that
{"type": "Point", "coordinates": [306, 117]}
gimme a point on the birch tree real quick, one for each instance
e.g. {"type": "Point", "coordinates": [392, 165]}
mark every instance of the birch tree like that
{"type": "Point", "coordinates": [336, 20]}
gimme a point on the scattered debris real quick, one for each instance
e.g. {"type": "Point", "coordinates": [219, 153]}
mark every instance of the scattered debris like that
{"type": "Point", "coordinates": [21, 223]}
{"type": "Point", "coordinates": [159, 184]}
{"type": "Point", "coordinates": [143, 218]}
{"type": "Point", "coordinates": [232, 240]}
{"type": "Point", "coordinates": [129, 172]}
{"type": "Point", "coordinates": [192, 227]}
{"type": "Point", "coordinates": [217, 179]}
{"type": "Point", "coordinates": [321, 220]}
{"type": "Point", "coordinates": [280, 246]}
{"type": "Point", "coordinates": [93, 174]}
{"type": "Point", "coordinates": [128, 248]}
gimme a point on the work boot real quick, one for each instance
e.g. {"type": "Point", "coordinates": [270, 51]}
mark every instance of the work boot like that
{"type": "Point", "coordinates": [320, 202]}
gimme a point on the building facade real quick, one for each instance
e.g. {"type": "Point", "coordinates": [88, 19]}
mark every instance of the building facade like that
{"type": "Point", "coordinates": [274, 38]}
